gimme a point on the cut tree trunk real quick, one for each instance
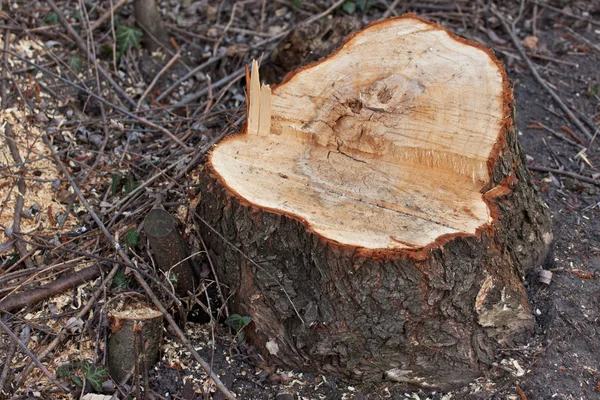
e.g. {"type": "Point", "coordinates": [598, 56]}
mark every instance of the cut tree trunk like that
{"type": "Point", "coordinates": [170, 251]}
{"type": "Point", "coordinates": [135, 339]}
{"type": "Point", "coordinates": [148, 18]}
{"type": "Point", "coordinates": [375, 217]}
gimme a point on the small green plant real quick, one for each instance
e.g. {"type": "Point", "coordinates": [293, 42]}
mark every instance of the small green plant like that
{"type": "Point", "coordinates": [119, 281]}
{"type": "Point", "coordinates": [76, 64]}
{"type": "Point", "coordinates": [9, 260]}
{"type": "Point", "coordinates": [127, 37]}
{"type": "Point", "coordinates": [95, 376]}
{"type": "Point", "coordinates": [130, 185]}
{"type": "Point", "coordinates": [297, 3]}
{"type": "Point", "coordinates": [131, 239]}
{"type": "Point", "coordinates": [122, 184]}
{"type": "Point", "coordinates": [51, 18]}
{"type": "Point", "coordinates": [350, 6]}
{"type": "Point", "coordinates": [115, 184]}
{"type": "Point", "coordinates": [238, 323]}
{"type": "Point", "coordinates": [77, 370]}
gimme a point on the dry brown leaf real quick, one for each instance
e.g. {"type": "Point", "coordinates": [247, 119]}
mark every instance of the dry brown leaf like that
{"type": "Point", "coordinates": [530, 42]}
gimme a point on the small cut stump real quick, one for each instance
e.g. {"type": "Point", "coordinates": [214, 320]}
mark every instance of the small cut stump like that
{"type": "Point", "coordinates": [375, 217]}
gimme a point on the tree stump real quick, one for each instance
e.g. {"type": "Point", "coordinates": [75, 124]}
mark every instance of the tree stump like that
{"type": "Point", "coordinates": [135, 340]}
{"type": "Point", "coordinates": [375, 217]}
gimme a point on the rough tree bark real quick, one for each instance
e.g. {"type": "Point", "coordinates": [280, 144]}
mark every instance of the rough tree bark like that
{"type": "Point", "coordinates": [148, 18]}
{"type": "Point", "coordinates": [136, 337]}
{"type": "Point", "coordinates": [375, 217]}
{"type": "Point", "coordinates": [170, 251]}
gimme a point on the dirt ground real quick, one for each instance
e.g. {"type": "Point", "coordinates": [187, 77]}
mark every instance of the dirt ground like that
{"type": "Point", "coordinates": [560, 37]}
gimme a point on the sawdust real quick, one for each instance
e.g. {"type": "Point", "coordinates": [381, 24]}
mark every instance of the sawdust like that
{"type": "Point", "coordinates": [39, 173]}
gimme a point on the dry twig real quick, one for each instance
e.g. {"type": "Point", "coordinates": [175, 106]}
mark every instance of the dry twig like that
{"type": "Point", "coordinates": [511, 32]}
{"type": "Point", "coordinates": [164, 69]}
{"type": "Point", "coordinates": [82, 46]}
{"type": "Point", "coordinates": [565, 173]}
{"type": "Point", "coordinates": [99, 88]}
{"type": "Point", "coordinates": [32, 356]}
{"type": "Point", "coordinates": [63, 332]}
{"type": "Point", "coordinates": [7, 364]}
{"type": "Point", "coordinates": [21, 188]}
{"type": "Point", "coordinates": [137, 274]}
{"type": "Point", "coordinates": [561, 136]}
{"type": "Point", "coordinates": [51, 289]}
{"type": "Point", "coordinates": [566, 13]}
{"type": "Point", "coordinates": [141, 120]}
{"type": "Point", "coordinates": [107, 15]}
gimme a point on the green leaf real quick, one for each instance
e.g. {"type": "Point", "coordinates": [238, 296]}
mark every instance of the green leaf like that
{"type": "Point", "coordinates": [349, 7]}
{"type": "Point", "coordinates": [63, 371]}
{"type": "Point", "coordinates": [297, 3]}
{"type": "Point", "coordinates": [128, 37]}
{"type": "Point", "coordinates": [51, 18]}
{"type": "Point", "coordinates": [237, 321]}
{"type": "Point", "coordinates": [95, 376]}
{"type": "Point", "coordinates": [364, 5]}
{"type": "Point", "coordinates": [76, 64]}
{"type": "Point", "coordinates": [119, 281]}
{"type": "Point", "coordinates": [116, 181]}
{"type": "Point", "coordinates": [132, 237]}
{"type": "Point", "coordinates": [130, 185]}
{"type": "Point", "coordinates": [78, 15]}
{"type": "Point", "coordinates": [116, 20]}
{"type": "Point", "coordinates": [106, 51]}
{"type": "Point", "coordinates": [11, 259]}
{"type": "Point", "coordinates": [76, 380]}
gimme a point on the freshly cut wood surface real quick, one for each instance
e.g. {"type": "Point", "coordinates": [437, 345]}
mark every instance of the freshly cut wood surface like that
{"type": "Point", "coordinates": [384, 144]}
{"type": "Point", "coordinates": [375, 217]}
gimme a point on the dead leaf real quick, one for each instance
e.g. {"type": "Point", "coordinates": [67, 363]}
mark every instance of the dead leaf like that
{"type": "Point", "coordinates": [236, 48]}
{"type": "Point", "coordinates": [213, 32]}
{"type": "Point", "coordinates": [530, 42]}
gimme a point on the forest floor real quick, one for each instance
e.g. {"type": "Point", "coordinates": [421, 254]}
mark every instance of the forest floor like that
{"type": "Point", "coordinates": [145, 143]}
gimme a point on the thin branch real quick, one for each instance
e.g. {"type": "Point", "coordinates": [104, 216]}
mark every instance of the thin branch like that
{"type": "Point", "coordinates": [51, 289]}
{"type": "Point", "coordinates": [157, 77]}
{"type": "Point", "coordinates": [214, 272]}
{"type": "Point", "coordinates": [565, 173]}
{"type": "Point", "coordinates": [37, 362]}
{"type": "Point", "coordinates": [63, 332]}
{"type": "Point", "coordinates": [5, 68]}
{"type": "Point", "coordinates": [205, 366]}
{"type": "Point", "coordinates": [141, 120]}
{"type": "Point", "coordinates": [21, 189]}
{"type": "Point", "coordinates": [194, 71]}
{"type": "Point", "coordinates": [82, 46]}
{"type": "Point", "coordinates": [563, 12]}
{"type": "Point", "coordinates": [213, 60]}
{"type": "Point", "coordinates": [561, 136]}
{"type": "Point", "coordinates": [391, 9]}
{"type": "Point", "coordinates": [584, 39]}
{"type": "Point", "coordinates": [99, 88]}
{"type": "Point", "coordinates": [7, 364]}
{"type": "Point", "coordinates": [137, 274]}
{"type": "Point", "coordinates": [537, 76]}
{"type": "Point", "coordinates": [107, 15]}
{"type": "Point", "coordinates": [195, 96]}
{"type": "Point", "coordinates": [325, 13]}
